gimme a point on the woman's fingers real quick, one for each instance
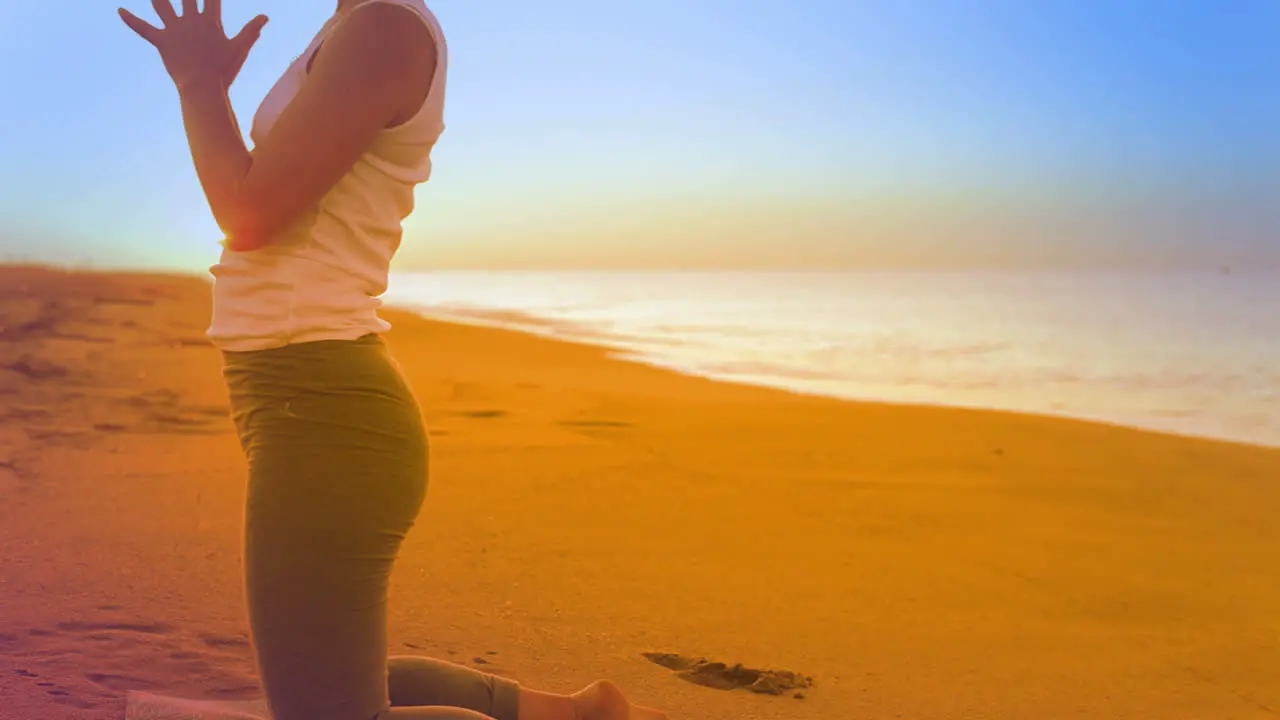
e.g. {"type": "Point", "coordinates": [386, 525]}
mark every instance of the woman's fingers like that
{"type": "Point", "coordinates": [190, 8]}
{"type": "Point", "coordinates": [148, 32]}
{"type": "Point", "coordinates": [213, 7]}
{"type": "Point", "coordinates": [242, 43]}
{"type": "Point", "coordinates": [249, 34]}
{"type": "Point", "coordinates": [165, 10]}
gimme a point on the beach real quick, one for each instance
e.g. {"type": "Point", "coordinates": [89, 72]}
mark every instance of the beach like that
{"type": "Point", "coordinates": [583, 510]}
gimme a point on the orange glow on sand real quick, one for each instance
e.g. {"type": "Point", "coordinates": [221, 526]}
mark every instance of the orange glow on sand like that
{"type": "Point", "coordinates": [585, 511]}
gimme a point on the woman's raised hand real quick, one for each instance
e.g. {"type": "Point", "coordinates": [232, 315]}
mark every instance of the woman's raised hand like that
{"type": "Point", "coordinates": [193, 45]}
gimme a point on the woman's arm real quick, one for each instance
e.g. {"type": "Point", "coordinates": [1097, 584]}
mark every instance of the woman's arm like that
{"type": "Point", "coordinates": [376, 68]}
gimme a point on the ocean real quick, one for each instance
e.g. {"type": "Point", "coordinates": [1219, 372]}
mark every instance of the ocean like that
{"type": "Point", "coordinates": [1194, 353]}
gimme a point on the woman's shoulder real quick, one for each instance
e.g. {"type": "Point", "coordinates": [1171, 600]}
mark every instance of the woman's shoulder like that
{"type": "Point", "coordinates": [377, 32]}
{"type": "Point", "coordinates": [397, 11]}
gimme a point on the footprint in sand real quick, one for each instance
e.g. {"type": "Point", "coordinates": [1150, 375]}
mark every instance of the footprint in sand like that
{"type": "Point", "coordinates": [163, 397]}
{"type": "Point", "coordinates": [236, 692]}
{"type": "Point", "coordinates": [61, 695]}
{"type": "Point", "coordinates": [479, 414]}
{"type": "Point", "coordinates": [34, 368]}
{"type": "Point", "coordinates": [181, 424]}
{"type": "Point", "coordinates": [119, 683]}
{"type": "Point", "coordinates": [163, 413]}
{"type": "Point", "coordinates": [55, 436]}
{"type": "Point", "coordinates": [224, 641]}
{"type": "Point", "coordinates": [26, 414]}
{"type": "Point", "coordinates": [597, 429]}
{"type": "Point", "coordinates": [82, 337]}
{"type": "Point", "coordinates": [11, 481]}
{"type": "Point", "coordinates": [722, 676]}
{"type": "Point", "coordinates": [187, 421]}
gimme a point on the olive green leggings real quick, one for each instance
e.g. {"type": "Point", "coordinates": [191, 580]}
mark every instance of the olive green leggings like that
{"type": "Point", "coordinates": [337, 455]}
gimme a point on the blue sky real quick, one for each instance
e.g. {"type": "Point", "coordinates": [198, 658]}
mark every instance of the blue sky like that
{"type": "Point", "coordinates": [710, 132]}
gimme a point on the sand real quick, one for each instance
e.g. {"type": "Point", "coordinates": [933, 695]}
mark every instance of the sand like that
{"type": "Point", "coordinates": [583, 511]}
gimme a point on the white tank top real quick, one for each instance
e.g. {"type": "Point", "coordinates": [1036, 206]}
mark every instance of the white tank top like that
{"type": "Point", "coordinates": [322, 278]}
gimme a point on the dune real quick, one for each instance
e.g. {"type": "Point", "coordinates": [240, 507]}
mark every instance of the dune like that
{"type": "Point", "coordinates": [721, 551]}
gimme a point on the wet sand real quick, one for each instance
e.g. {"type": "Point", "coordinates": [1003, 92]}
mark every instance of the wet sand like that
{"type": "Point", "coordinates": [585, 512]}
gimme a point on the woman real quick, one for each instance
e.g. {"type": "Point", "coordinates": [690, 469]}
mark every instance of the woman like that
{"type": "Point", "coordinates": [333, 435]}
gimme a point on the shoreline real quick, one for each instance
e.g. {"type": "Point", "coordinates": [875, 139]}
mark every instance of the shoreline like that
{"type": "Point", "coordinates": [624, 354]}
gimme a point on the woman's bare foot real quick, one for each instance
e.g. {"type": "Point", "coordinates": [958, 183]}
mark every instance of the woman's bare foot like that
{"type": "Point", "coordinates": [602, 700]}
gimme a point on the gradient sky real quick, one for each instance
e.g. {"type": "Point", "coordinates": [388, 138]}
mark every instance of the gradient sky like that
{"type": "Point", "coordinates": [713, 133]}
